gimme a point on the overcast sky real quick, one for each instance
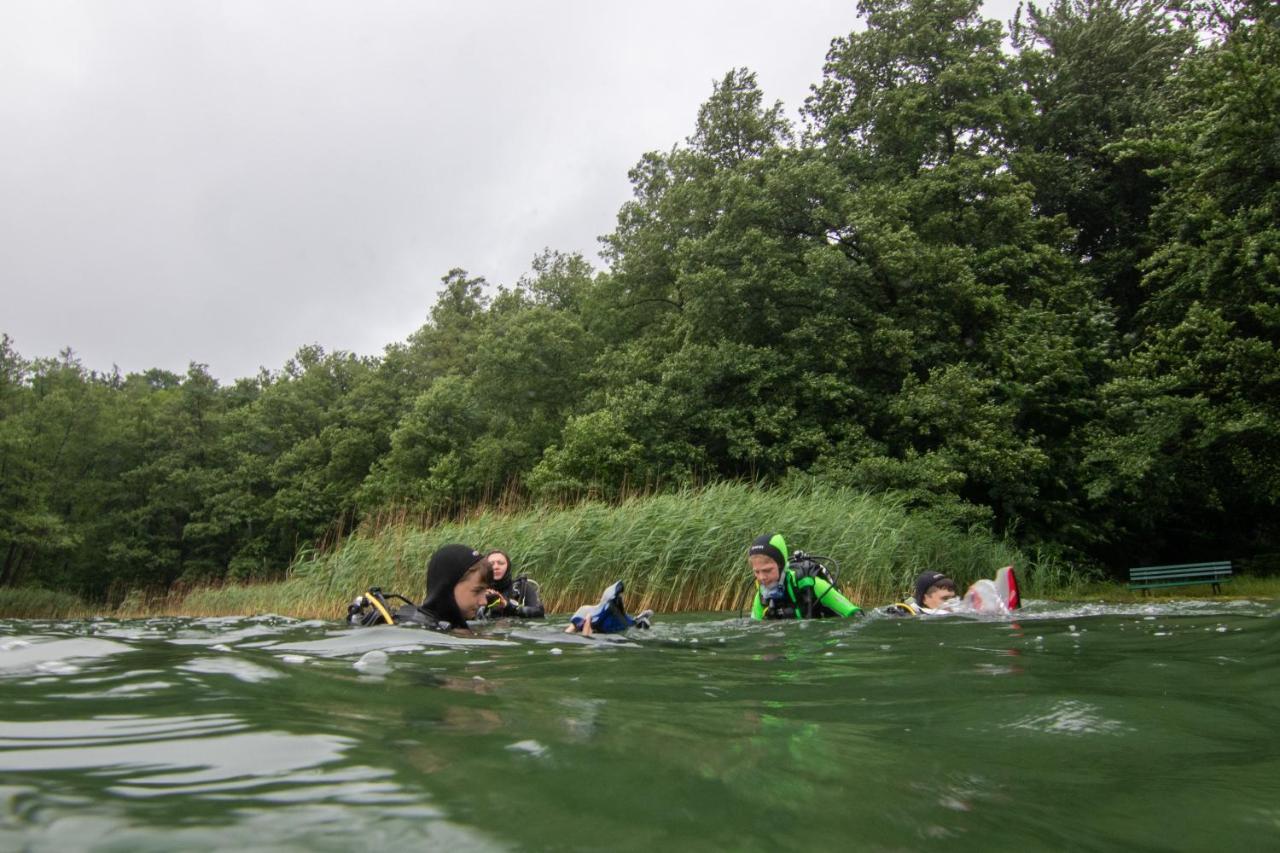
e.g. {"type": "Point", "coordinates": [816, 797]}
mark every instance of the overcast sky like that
{"type": "Point", "coordinates": [223, 182]}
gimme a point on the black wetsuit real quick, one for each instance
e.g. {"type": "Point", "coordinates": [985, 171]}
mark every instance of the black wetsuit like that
{"type": "Point", "coordinates": [519, 598]}
{"type": "Point", "coordinates": [440, 611]}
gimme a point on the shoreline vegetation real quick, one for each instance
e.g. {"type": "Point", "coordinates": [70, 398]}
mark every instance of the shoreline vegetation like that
{"type": "Point", "coordinates": [681, 552]}
{"type": "Point", "coordinates": [1038, 320]}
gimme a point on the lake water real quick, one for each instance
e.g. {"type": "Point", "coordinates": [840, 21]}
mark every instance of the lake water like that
{"type": "Point", "coordinates": [1089, 727]}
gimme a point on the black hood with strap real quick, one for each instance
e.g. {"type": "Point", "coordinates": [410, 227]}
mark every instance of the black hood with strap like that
{"type": "Point", "coordinates": [447, 566]}
{"type": "Point", "coordinates": [505, 587]}
{"type": "Point", "coordinates": [926, 581]}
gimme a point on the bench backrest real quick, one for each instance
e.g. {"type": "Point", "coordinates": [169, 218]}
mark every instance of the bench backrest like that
{"type": "Point", "coordinates": [1182, 570]}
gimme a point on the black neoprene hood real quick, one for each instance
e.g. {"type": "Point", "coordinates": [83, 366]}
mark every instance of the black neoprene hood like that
{"type": "Point", "coordinates": [446, 567]}
{"type": "Point", "coordinates": [926, 580]}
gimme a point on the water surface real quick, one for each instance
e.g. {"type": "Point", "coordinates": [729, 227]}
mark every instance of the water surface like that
{"type": "Point", "coordinates": [1087, 727]}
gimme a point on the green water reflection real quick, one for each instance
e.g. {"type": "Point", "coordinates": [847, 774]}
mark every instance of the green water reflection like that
{"type": "Point", "coordinates": [1083, 728]}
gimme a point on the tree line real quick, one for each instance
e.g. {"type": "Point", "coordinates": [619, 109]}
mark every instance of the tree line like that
{"type": "Point", "coordinates": [1026, 277]}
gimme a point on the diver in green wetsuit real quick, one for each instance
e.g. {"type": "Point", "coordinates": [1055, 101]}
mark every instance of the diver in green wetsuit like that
{"type": "Point", "coordinates": [792, 590]}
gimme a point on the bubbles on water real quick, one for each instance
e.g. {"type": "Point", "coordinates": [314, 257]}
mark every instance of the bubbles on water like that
{"type": "Point", "coordinates": [56, 657]}
{"type": "Point", "coordinates": [241, 670]}
{"type": "Point", "coordinates": [1071, 717]}
{"type": "Point", "coordinates": [57, 667]}
{"type": "Point", "coordinates": [528, 747]}
{"type": "Point", "coordinates": [373, 663]}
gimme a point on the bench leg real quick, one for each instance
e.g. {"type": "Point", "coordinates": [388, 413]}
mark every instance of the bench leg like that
{"type": "Point", "coordinates": [1216, 589]}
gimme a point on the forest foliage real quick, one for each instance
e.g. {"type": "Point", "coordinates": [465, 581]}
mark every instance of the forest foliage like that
{"type": "Point", "coordinates": [1023, 277]}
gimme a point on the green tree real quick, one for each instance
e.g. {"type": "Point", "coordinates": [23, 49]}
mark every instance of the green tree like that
{"type": "Point", "coordinates": [1187, 456]}
{"type": "Point", "coordinates": [1096, 70]}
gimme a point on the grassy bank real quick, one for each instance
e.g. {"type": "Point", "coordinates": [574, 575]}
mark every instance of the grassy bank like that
{"type": "Point", "coordinates": [28, 603]}
{"type": "Point", "coordinates": [1240, 586]}
{"type": "Point", "coordinates": [683, 551]}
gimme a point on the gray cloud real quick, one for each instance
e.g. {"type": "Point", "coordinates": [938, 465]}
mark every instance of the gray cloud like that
{"type": "Point", "coordinates": [225, 181]}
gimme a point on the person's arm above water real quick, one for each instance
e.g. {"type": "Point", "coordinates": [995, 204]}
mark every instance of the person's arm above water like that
{"type": "Point", "coordinates": [757, 606]}
{"type": "Point", "coordinates": [831, 598]}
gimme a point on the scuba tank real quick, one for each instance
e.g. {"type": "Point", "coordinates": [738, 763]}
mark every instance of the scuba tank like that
{"type": "Point", "coordinates": [373, 608]}
{"type": "Point", "coordinates": [809, 566]}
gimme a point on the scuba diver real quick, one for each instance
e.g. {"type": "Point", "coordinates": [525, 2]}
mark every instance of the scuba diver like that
{"type": "Point", "coordinates": [508, 596]}
{"type": "Point", "coordinates": [458, 581]}
{"type": "Point", "coordinates": [607, 617]}
{"type": "Point", "coordinates": [935, 594]}
{"type": "Point", "coordinates": [802, 588]}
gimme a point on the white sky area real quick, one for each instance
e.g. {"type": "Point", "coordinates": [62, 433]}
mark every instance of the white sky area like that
{"type": "Point", "coordinates": [224, 182]}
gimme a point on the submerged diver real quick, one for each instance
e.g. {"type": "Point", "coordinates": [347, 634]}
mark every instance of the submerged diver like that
{"type": "Point", "coordinates": [802, 589]}
{"type": "Point", "coordinates": [458, 581]}
{"type": "Point", "coordinates": [510, 596]}
{"type": "Point", "coordinates": [608, 617]}
{"type": "Point", "coordinates": [935, 594]}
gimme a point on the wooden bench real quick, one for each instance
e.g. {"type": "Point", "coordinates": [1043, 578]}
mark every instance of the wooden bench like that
{"type": "Point", "coordinates": [1147, 578]}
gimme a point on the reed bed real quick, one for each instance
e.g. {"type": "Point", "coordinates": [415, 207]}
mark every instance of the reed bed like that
{"type": "Point", "coordinates": [32, 603]}
{"type": "Point", "coordinates": [684, 551]}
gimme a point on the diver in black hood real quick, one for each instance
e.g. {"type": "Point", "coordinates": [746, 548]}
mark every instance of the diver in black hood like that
{"type": "Point", "coordinates": [511, 596]}
{"type": "Point", "coordinates": [458, 581]}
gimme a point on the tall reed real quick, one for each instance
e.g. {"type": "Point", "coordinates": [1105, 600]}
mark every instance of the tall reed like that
{"type": "Point", "coordinates": [32, 603]}
{"type": "Point", "coordinates": [678, 551]}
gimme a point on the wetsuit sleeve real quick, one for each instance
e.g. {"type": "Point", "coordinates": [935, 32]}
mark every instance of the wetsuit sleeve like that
{"type": "Point", "coordinates": [830, 597]}
{"type": "Point", "coordinates": [531, 603]}
{"type": "Point", "coordinates": [757, 606]}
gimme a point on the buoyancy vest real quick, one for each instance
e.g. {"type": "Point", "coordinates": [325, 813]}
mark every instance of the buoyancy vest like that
{"type": "Point", "coordinates": [804, 594]}
{"type": "Point", "coordinates": [903, 608]}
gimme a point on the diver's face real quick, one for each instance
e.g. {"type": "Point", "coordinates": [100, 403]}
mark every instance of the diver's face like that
{"type": "Point", "coordinates": [765, 569]}
{"type": "Point", "coordinates": [470, 594]}
{"type": "Point", "coordinates": [935, 597]}
{"type": "Point", "coordinates": [500, 566]}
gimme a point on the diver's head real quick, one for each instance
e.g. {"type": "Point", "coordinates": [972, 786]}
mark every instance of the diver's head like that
{"type": "Point", "coordinates": [765, 569]}
{"type": "Point", "coordinates": [934, 590]}
{"type": "Point", "coordinates": [472, 591]}
{"type": "Point", "coordinates": [768, 557]}
{"type": "Point", "coordinates": [457, 573]}
{"type": "Point", "coordinates": [500, 562]}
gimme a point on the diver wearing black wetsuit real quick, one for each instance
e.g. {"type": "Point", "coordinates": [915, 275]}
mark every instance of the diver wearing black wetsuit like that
{"type": "Point", "coordinates": [515, 596]}
{"type": "Point", "coordinates": [447, 568]}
